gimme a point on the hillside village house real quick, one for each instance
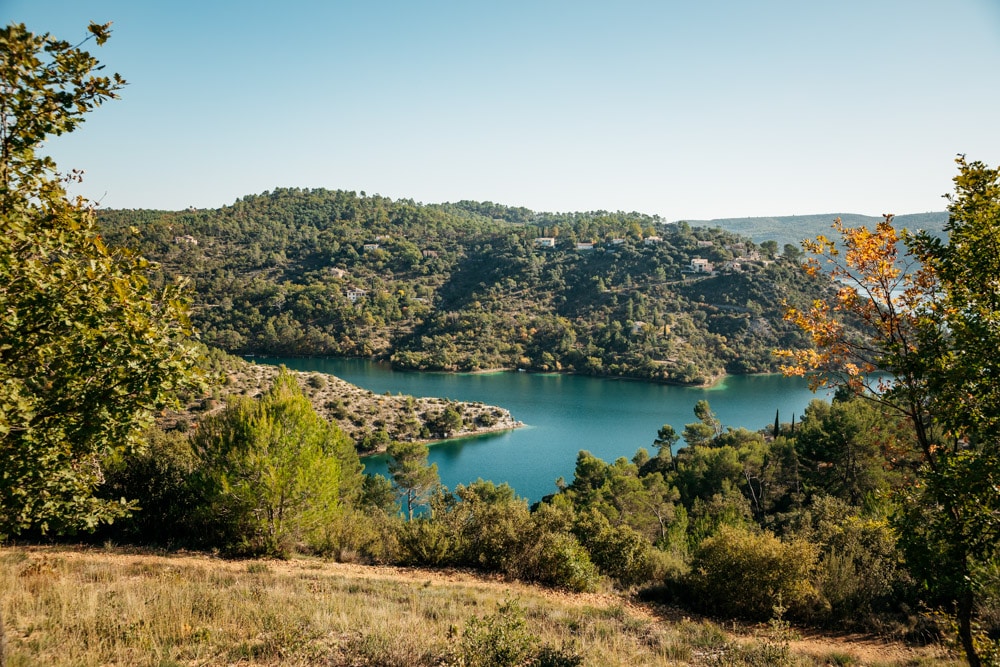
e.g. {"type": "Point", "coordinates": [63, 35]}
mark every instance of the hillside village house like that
{"type": "Point", "coordinates": [545, 242]}
{"type": "Point", "coordinates": [652, 240]}
{"type": "Point", "coordinates": [584, 246]}
{"type": "Point", "coordinates": [699, 265]}
{"type": "Point", "coordinates": [354, 294]}
{"type": "Point", "coordinates": [370, 246]}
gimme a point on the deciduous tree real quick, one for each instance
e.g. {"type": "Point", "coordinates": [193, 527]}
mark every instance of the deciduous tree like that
{"type": "Point", "coordinates": [89, 351]}
{"type": "Point", "coordinates": [930, 313]}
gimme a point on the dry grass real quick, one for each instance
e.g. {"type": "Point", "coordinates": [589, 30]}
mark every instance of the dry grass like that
{"type": "Point", "coordinates": [111, 607]}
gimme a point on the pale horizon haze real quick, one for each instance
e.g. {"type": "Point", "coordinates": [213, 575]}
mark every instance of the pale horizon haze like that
{"type": "Point", "coordinates": [687, 110]}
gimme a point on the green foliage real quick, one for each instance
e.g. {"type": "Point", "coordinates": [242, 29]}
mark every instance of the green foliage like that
{"type": "Point", "coordinates": [287, 272]}
{"type": "Point", "coordinates": [743, 573]}
{"type": "Point", "coordinates": [413, 478]}
{"type": "Point", "coordinates": [557, 559]}
{"type": "Point", "coordinates": [274, 470]}
{"type": "Point", "coordinates": [89, 350]}
{"type": "Point", "coordinates": [860, 577]}
{"type": "Point", "coordinates": [934, 331]}
{"type": "Point", "coordinates": [851, 449]}
{"type": "Point", "coordinates": [503, 639]}
{"type": "Point", "coordinates": [159, 479]}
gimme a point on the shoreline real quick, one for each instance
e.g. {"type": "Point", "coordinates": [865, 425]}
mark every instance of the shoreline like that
{"type": "Point", "coordinates": [464, 435]}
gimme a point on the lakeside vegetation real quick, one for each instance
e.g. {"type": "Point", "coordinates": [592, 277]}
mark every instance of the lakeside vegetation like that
{"type": "Point", "coordinates": [879, 511]}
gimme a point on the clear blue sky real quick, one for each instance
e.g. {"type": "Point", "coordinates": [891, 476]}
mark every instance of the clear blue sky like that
{"type": "Point", "coordinates": [689, 109]}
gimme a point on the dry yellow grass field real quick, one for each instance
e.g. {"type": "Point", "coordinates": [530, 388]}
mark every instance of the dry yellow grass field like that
{"type": "Point", "coordinates": [84, 606]}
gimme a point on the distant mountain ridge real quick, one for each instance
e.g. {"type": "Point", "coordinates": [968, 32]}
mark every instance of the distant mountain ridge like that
{"type": "Point", "coordinates": [794, 228]}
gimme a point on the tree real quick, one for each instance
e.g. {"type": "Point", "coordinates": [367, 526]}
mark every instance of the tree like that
{"type": "Point", "coordinates": [89, 351]}
{"type": "Point", "coordinates": [275, 469]}
{"type": "Point", "coordinates": [666, 438]}
{"type": "Point", "coordinates": [705, 429]}
{"type": "Point", "coordinates": [413, 478]}
{"type": "Point", "coordinates": [930, 316]}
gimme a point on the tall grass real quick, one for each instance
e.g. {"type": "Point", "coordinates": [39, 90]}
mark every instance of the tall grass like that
{"type": "Point", "coordinates": [107, 607]}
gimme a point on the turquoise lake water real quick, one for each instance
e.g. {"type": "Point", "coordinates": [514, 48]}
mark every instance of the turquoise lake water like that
{"type": "Point", "coordinates": [563, 414]}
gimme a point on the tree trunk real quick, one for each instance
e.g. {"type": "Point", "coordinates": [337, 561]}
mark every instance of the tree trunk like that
{"type": "Point", "coordinates": [964, 613]}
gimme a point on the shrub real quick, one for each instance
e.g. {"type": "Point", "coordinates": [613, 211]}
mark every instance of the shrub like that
{"type": "Point", "coordinates": [559, 560]}
{"type": "Point", "coordinates": [742, 573]}
{"type": "Point", "coordinates": [158, 479]}
{"type": "Point", "coordinates": [503, 640]}
{"type": "Point", "coordinates": [425, 541]}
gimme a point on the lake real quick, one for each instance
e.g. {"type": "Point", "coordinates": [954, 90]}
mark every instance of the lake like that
{"type": "Point", "coordinates": [562, 415]}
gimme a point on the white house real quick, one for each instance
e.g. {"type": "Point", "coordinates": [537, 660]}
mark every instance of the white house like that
{"type": "Point", "coordinates": [357, 293]}
{"type": "Point", "coordinates": [699, 265]}
{"type": "Point", "coordinates": [584, 246]}
{"type": "Point", "coordinates": [652, 240]}
{"type": "Point", "coordinates": [545, 242]}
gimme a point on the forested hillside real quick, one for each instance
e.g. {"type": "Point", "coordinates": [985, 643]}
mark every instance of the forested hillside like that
{"type": "Point", "coordinates": [472, 285]}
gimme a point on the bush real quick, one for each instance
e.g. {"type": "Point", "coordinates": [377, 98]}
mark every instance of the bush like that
{"type": "Point", "coordinates": [559, 560]}
{"type": "Point", "coordinates": [425, 541]}
{"type": "Point", "coordinates": [158, 479]}
{"type": "Point", "coordinates": [742, 573]}
{"type": "Point", "coordinates": [503, 640]}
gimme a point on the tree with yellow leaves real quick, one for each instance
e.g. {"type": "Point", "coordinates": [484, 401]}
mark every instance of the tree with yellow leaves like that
{"type": "Point", "coordinates": [928, 313]}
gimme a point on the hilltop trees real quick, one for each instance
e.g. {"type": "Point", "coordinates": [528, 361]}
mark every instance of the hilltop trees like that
{"type": "Point", "coordinates": [88, 349]}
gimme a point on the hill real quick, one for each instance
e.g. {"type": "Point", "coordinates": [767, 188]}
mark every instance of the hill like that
{"type": "Point", "coordinates": [792, 229]}
{"type": "Point", "coordinates": [475, 285]}
{"type": "Point", "coordinates": [66, 606]}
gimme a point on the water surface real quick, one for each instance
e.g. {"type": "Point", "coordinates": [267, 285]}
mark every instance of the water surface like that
{"type": "Point", "coordinates": [563, 414]}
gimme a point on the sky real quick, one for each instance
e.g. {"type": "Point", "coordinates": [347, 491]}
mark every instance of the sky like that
{"type": "Point", "coordinates": [687, 109]}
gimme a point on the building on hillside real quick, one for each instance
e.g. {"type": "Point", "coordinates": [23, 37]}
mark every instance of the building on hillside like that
{"type": "Point", "coordinates": [369, 246]}
{"type": "Point", "coordinates": [705, 244]}
{"type": "Point", "coordinates": [357, 293]}
{"type": "Point", "coordinates": [584, 245]}
{"type": "Point", "coordinates": [545, 242]}
{"type": "Point", "coordinates": [699, 265]}
{"type": "Point", "coordinates": [652, 240]}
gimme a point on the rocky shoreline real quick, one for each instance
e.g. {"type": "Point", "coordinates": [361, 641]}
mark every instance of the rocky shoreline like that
{"type": "Point", "coordinates": [370, 419]}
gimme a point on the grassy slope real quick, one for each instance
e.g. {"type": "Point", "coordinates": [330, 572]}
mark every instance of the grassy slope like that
{"type": "Point", "coordinates": [110, 607]}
